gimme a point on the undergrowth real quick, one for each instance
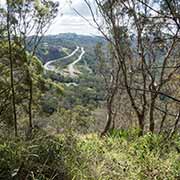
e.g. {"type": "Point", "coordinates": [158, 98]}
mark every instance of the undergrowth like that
{"type": "Point", "coordinates": [121, 155]}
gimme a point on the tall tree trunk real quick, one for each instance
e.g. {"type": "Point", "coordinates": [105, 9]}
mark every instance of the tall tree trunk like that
{"type": "Point", "coordinates": [163, 120]}
{"type": "Point", "coordinates": [141, 124]}
{"type": "Point", "coordinates": [30, 104]}
{"type": "Point", "coordinates": [175, 125]}
{"type": "Point", "coordinates": [11, 69]}
{"type": "Point", "coordinates": [151, 114]}
{"type": "Point", "coordinates": [109, 118]}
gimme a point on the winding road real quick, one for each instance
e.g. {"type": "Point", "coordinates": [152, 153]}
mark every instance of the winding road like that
{"type": "Point", "coordinates": [48, 65]}
{"type": "Point", "coordinates": [70, 68]}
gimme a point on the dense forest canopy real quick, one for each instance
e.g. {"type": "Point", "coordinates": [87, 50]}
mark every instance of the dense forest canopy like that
{"type": "Point", "coordinates": [90, 107]}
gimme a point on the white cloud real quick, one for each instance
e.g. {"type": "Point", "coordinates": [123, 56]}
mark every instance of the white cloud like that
{"type": "Point", "coordinates": [73, 24]}
{"type": "Point", "coordinates": [69, 21]}
{"type": "Point", "coordinates": [2, 3]}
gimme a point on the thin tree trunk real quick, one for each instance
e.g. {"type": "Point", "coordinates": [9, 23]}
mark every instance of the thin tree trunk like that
{"type": "Point", "coordinates": [11, 70]}
{"type": "Point", "coordinates": [163, 120]}
{"type": "Point", "coordinates": [175, 125]}
{"type": "Point", "coordinates": [30, 105]}
{"type": "Point", "coordinates": [141, 124]}
{"type": "Point", "coordinates": [109, 119]}
{"type": "Point", "coordinates": [151, 114]}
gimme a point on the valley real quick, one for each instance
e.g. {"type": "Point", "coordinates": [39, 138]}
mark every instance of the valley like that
{"type": "Point", "coordinates": [68, 67]}
{"type": "Point", "coordinates": [100, 106]}
{"type": "Point", "coordinates": [75, 68]}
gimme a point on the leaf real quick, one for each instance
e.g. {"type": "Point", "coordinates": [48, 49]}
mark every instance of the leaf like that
{"type": "Point", "coordinates": [34, 155]}
{"type": "Point", "coordinates": [15, 172]}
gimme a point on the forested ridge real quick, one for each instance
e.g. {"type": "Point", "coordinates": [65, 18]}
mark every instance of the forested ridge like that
{"type": "Point", "coordinates": [81, 107]}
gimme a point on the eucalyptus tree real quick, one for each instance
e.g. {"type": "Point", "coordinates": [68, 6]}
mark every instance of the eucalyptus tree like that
{"type": "Point", "coordinates": [27, 21]}
{"type": "Point", "coordinates": [145, 40]}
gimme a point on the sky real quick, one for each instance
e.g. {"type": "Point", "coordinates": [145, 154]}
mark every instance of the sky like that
{"type": "Point", "coordinates": [69, 21]}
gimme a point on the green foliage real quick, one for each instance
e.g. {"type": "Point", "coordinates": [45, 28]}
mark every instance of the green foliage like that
{"type": "Point", "coordinates": [127, 157]}
{"type": "Point", "coordinates": [122, 133]}
{"type": "Point", "coordinates": [26, 68]}
{"type": "Point", "coordinates": [89, 157]}
{"type": "Point", "coordinates": [40, 158]}
{"type": "Point", "coordinates": [78, 119]}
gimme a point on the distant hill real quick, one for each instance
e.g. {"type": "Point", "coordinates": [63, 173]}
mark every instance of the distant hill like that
{"type": "Point", "coordinates": [57, 46]}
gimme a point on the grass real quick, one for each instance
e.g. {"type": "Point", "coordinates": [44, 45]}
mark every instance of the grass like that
{"type": "Point", "coordinates": [122, 155]}
{"type": "Point", "coordinates": [125, 157]}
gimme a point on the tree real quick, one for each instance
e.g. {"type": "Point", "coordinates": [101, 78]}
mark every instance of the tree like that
{"type": "Point", "coordinates": [145, 37]}
{"type": "Point", "coordinates": [25, 18]}
{"type": "Point", "coordinates": [23, 25]}
{"type": "Point", "coordinates": [110, 72]}
{"type": "Point", "coordinates": [11, 67]}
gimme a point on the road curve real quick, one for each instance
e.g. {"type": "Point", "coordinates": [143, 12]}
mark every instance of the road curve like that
{"type": "Point", "coordinates": [71, 68]}
{"type": "Point", "coordinates": [48, 65]}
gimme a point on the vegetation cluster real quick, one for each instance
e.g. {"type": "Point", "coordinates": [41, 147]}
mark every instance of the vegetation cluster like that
{"type": "Point", "coordinates": [118, 119]}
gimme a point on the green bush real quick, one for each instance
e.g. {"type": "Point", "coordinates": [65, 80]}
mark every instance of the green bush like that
{"type": "Point", "coordinates": [130, 134]}
{"type": "Point", "coordinates": [122, 155]}
{"type": "Point", "coordinates": [40, 158]}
